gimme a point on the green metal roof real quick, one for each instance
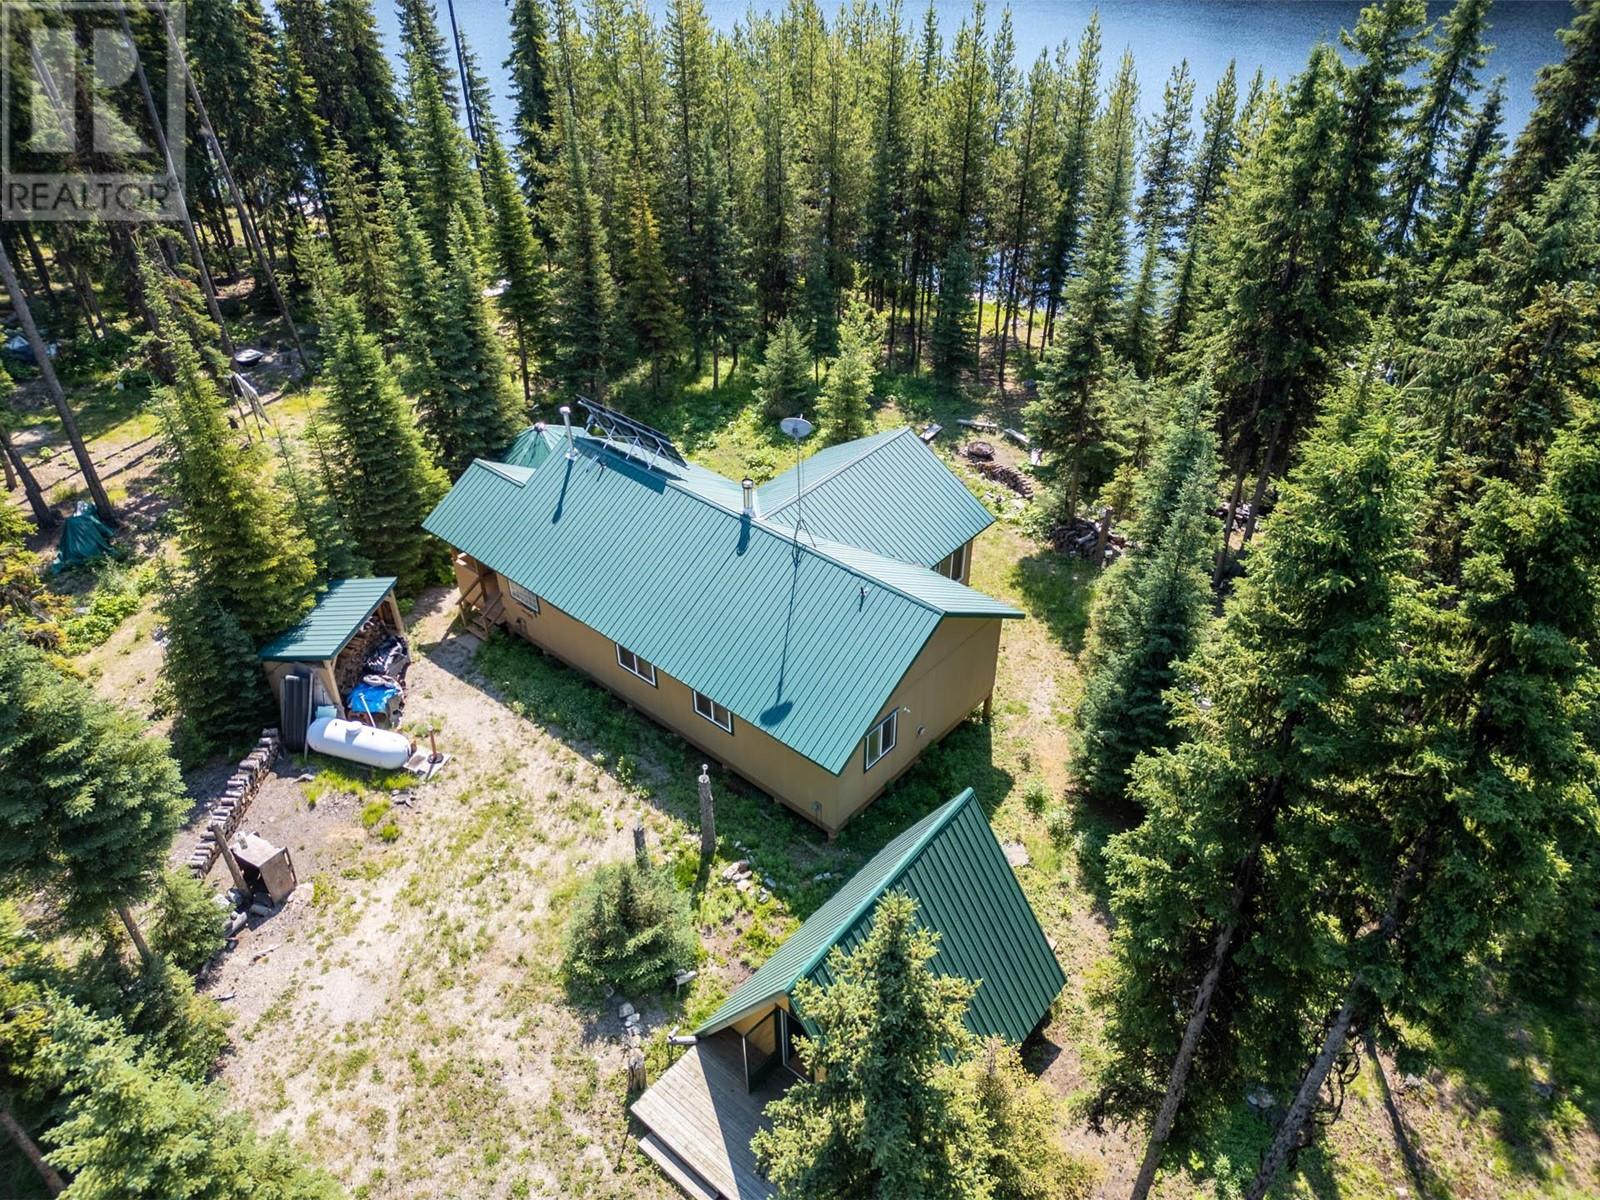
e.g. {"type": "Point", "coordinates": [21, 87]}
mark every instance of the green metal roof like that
{"type": "Point", "coordinates": [805, 643]}
{"type": "Point", "coordinates": [324, 631]}
{"type": "Point", "coordinates": [952, 865]}
{"type": "Point", "coordinates": [532, 447]}
{"type": "Point", "coordinates": [888, 493]}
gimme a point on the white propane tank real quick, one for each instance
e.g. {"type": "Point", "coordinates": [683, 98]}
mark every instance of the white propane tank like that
{"type": "Point", "coordinates": [383, 748]}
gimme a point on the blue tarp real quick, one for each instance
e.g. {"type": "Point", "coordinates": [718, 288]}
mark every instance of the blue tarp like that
{"type": "Point", "coordinates": [372, 698]}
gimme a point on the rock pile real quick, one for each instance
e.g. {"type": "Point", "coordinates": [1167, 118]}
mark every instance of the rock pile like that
{"type": "Point", "coordinates": [237, 793]}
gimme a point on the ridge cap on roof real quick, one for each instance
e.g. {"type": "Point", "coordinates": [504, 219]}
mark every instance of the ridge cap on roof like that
{"type": "Point", "coordinates": [942, 817]}
{"type": "Point", "coordinates": [887, 436]}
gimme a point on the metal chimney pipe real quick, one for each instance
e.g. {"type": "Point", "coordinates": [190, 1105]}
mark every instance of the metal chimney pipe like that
{"type": "Point", "coordinates": [566, 419]}
{"type": "Point", "coordinates": [749, 486]}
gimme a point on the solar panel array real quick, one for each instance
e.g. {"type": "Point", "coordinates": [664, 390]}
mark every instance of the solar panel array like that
{"type": "Point", "coordinates": [625, 432]}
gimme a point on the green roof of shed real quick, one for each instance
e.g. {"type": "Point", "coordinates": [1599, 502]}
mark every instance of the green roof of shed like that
{"type": "Point", "coordinates": [952, 865]}
{"type": "Point", "coordinates": [803, 642]}
{"type": "Point", "coordinates": [888, 493]}
{"type": "Point", "coordinates": [327, 628]}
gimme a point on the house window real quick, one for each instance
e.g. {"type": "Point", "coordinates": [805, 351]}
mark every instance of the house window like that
{"type": "Point", "coordinates": [954, 565]}
{"type": "Point", "coordinates": [881, 738]}
{"type": "Point", "coordinates": [713, 712]}
{"type": "Point", "coordinates": [524, 597]}
{"type": "Point", "coordinates": [632, 663]}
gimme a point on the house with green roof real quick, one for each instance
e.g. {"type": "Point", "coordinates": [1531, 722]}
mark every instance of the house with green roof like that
{"type": "Point", "coordinates": [799, 634]}
{"type": "Point", "coordinates": [703, 1110]}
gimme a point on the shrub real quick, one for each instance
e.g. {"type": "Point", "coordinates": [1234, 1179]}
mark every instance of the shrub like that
{"type": "Point", "coordinates": [188, 925]}
{"type": "Point", "coordinates": [1036, 795]}
{"type": "Point", "coordinates": [630, 928]}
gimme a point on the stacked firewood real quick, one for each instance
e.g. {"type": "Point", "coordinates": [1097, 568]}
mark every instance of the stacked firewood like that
{"type": "Point", "coordinates": [1241, 515]}
{"type": "Point", "coordinates": [237, 793]}
{"type": "Point", "coordinates": [1009, 476]}
{"type": "Point", "coordinates": [1081, 535]}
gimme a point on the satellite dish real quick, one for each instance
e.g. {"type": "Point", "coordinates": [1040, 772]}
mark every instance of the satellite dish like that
{"type": "Point", "coordinates": [796, 427]}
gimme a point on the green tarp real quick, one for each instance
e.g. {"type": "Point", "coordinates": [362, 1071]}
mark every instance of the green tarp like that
{"type": "Point", "coordinates": [84, 537]}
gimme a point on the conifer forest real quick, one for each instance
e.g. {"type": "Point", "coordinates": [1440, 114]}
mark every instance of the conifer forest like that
{"type": "Point", "coordinates": [1282, 395]}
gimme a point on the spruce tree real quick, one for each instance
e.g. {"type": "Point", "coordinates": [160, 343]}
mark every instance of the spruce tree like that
{"type": "Point", "coordinates": [516, 255]}
{"type": "Point", "coordinates": [1477, 845]}
{"type": "Point", "coordinates": [1263, 717]}
{"type": "Point", "coordinates": [359, 234]}
{"type": "Point", "coordinates": [89, 799]}
{"type": "Point", "coordinates": [533, 130]}
{"type": "Point", "coordinates": [882, 1113]}
{"type": "Point", "coordinates": [420, 39]}
{"type": "Point", "coordinates": [1068, 416]}
{"type": "Point", "coordinates": [1152, 606]}
{"type": "Point", "coordinates": [783, 380]}
{"type": "Point", "coordinates": [722, 258]}
{"type": "Point", "coordinates": [585, 301]}
{"type": "Point", "coordinates": [385, 471]}
{"type": "Point", "coordinates": [844, 406]}
{"type": "Point", "coordinates": [439, 161]}
{"type": "Point", "coordinates": [952, 343]}
{"type": "Point", "coordinates": [311, 480]}
{"type": "Point", "coordinates": [1568, 95]}
{"type": "Point", "coordinates": [1448, 82]}
{"type": "Point", "coordinates": [648, 295]}
{"type": "Point", "coordinates": [1165, 170]}
{"type": "Point", "coordinates": [1073, 171]}
{"type": "Point", "coordinates": [210, 674]}
{"type": "Point", "coordinates": [1208, 178]}
{"type": "Point", "coordinates": [367, 113]}
{"type": "Point", "coordinates": [234, 528]}
{"type": "Point", "coordinates": [417, 281]}
{"type": "Point", "coordinates": [470, 411]}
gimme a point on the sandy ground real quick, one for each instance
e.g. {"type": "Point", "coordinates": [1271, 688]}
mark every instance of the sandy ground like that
{"type": "Point", "coordinates": [399, 1017]}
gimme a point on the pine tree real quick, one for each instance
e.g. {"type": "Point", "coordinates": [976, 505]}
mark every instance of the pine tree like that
{"type": "Point", "coordinates": [890, 168]}
{"type": "Point", "coordinates": [1165, 169]}
{"type": "Point", "coordinates": [722, 259]}
{"type": "Point", "coordinates": [89, 799]}
{"type": "Point", "coordinates": [420, 39]}
{"type": "Point", "coordinates": [783, 380]}
{"type": "Point", "coordinates": [844, 406]}
{"type": "Point", "coordinates": [367, 116]}
{"type": "Point", "coordinates": [1263, 716]}
{"type": "Point", "coordinates": [417, 281]}
{"type": "Point", "coordinates": [953, 340]}
{"type": "Point", "coordinates": [384, 469]}
{"type": "Point", "coordinates": [648, 295]}
{"type": "Point", "coordinates": [1152, 608]}
{"type": "Point", "coordinates": [310, 480]}
{"type": "Point", "coordinates": [882, 1112]}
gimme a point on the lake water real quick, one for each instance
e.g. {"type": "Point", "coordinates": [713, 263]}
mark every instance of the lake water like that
{"type": "Point", "coordinates": [1274, 36]}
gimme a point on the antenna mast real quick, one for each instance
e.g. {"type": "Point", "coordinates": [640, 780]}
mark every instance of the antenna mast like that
{"type": "Point", "coordinates": [799, 429]}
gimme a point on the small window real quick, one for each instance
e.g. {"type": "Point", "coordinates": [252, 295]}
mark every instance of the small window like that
{"type": "Point", "coordinates": [713, 712]}
{"type": "Point", "coordinates": [954, 565]}
{"type": "Point", "coordinates": [632, 663]}
{"type": "Point", "coordinates": [881, 739]}
{"type": "Point", "coordinates": [524, 597]}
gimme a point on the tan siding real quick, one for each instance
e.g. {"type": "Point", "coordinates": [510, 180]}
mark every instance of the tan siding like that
{"type": "Point", "coordinates": [948, 679]}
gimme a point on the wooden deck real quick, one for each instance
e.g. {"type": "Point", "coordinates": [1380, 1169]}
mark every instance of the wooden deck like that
{"type": "Point", "coordinates": [701, 1114]}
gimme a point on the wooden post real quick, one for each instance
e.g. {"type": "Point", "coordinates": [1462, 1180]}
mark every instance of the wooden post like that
{"type": "Point", "coordinates": [636, 1074]}
{"type": "Point", "coordinates": [708, 820]}
{"type": "Point", "coordinates": [988, 707]}
{"type": "Point", "coordinates": [1100, 542]}
{"type": "Point", "coordinates": [227, 857]}
{"type": "Point", "coordinates": [640, 854]}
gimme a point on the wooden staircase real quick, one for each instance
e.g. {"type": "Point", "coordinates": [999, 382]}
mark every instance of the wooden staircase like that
{"type": "Point", "coordinates": [479, 612]}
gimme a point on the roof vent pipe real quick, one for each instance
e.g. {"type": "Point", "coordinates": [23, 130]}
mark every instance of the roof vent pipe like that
{"type": "Point", "coordinates": [566, 419]}
{"type": "Point", "coordinates": [749, 486]}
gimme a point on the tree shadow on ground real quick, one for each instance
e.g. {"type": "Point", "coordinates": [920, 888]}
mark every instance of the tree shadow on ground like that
{"type": "Point", "coordinates": [1058, 591]}
{"type": "Point", "coordinates": [1090, 825]}
{"type": "Point", "coordinates": [1530, 1068]}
